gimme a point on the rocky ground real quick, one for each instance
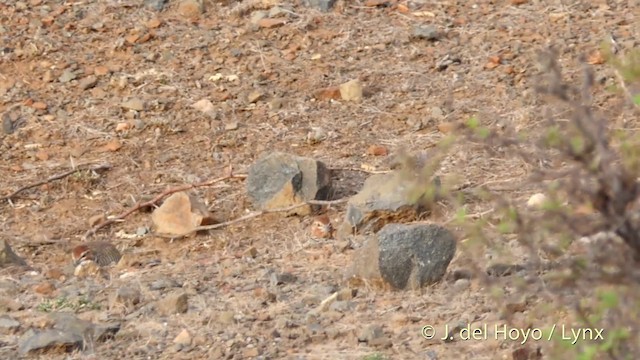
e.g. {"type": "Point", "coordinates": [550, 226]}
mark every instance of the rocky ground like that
{"type": "Point", "coordinates": [171, 93]}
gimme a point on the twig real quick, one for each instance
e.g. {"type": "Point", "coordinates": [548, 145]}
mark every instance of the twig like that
{"type": "Point", "coordinates": [362, 170]}
{"type": "Point", "coordinates": [471, 216]}
{"type": "Point", "coordinates": [141, 205]}
{"type": "Point", "coordinates": [252, 215]}
{"type": "Point", "coordinates": [58, 177]}
{"type": "Point", "coordinates": [269, 211]}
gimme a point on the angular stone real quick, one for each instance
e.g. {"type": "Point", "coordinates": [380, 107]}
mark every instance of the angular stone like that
{"type": "Point", "coordinates": [156, 5]}
{"type": "Point", "coordinates": [370, 333]}
{"type": "Point", "coordinates": [256, 16]}
{"type": "Point", "coordinates": [176, 303]}
{"type": "Point", "coordinates": [255, 96]}
{"type": "Point", "coordinates": [48, 339]}
{"type": "Point", "coordinates": [279, 180]}
{"type": "Point", "coordinates": [205, 106]}
{"type": "Point", "coordinates": [88, 82]}
{"type": "Point", "coordinates": [7, 124]}
{"type": "Point", "coordinates": [8, 257]}
{"type": "Point", "coordinates": [226, 317]}
{"type": "Point", "coordinates": [67, 76]}
{"type": "Point", "coordinates": [191, 8]}
{"type": "Point", "coordinates": [428, 32]}
{"type": "Point", "coordinates": [8, 304]}
{"type": "Point", "coordinates": [133, 104]}
{"type": "Point", "coordinates": [8, 324]}
{"type": "Point", "coordinates": [180, 214]}
{"type": "Point", "coordinates": [324, 5]}
{"type": "Point", "coordinates": [501, 269]}
{"type": "Point", "coordinates": [282, 278]}
{"type": "Point", "coordinates": [68, 332]}
{"type": "Point", "coordinates": [183, 338]}
{"type": "Point", "coordinates": [127, 296]}
{"type": "Point", "coordinates": [351, 91]}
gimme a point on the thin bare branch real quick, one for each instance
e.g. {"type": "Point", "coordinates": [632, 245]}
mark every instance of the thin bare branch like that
{"type": "Point", "coordinates": [155, 200]}
{"type": "Point", "coordinates": [78, 168]}
{"type": "Point", "coordinates": [362, 170]}
{"type": "Point", "coordinates": [255, 214]}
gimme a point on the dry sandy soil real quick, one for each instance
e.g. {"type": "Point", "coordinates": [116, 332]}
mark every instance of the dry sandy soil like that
{"type": "Point", "coordinates": [71, 71]}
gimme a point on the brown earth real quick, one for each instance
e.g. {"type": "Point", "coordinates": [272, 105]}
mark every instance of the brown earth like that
{"type": "Point", "coordinates": [71, 71]}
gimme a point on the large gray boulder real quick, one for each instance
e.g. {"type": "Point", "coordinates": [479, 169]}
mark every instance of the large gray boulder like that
{"type": "Point", "coordinates": [405, 256]}
{"type": "Point", "coordinates": [68, 333]}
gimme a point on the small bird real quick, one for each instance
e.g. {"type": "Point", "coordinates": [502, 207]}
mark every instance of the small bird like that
{"type": "Point", "coordinates": [101, 252]}
{"type": "Point", "coordinates": [321, 227]}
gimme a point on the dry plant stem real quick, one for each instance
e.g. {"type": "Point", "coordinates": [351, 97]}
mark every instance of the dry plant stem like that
{"type": "Point", "coordinates": [141, 205]}
{"type": "Point", "coordinates": [478, 215]}
{"type": "Point", "coordinates": [263, 212]}
{"type": "Point", "coordinates": [58, 177]}
{"type": "Point", "coordinates": [362, 170]}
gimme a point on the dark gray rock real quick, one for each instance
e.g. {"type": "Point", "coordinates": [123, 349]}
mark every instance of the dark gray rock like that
{"type": "Point", "coordinates": [8, 324]}
{"type": "Point", "coordinates": [428, 32]}
{"type": "Point", "coordinates": [405, 256]}
{"type": "Point", "coordinates": [8, 257]}
{"type": "Point", "coordinates": [69, 322]}
{"type": "Point", "coordinates": [7, 124]}
{"type": "Point", "coordinates": [279, 180]}
{"type": "Point", "coordinates": [163, 283]}
{"type": "Point", "coordinates": [88, 82]}
{"type": "Point", "coordinates": [343, 306]}
{"type": "Point", "coordinates": [414, 255]}
{"type": "Point", "coordinates": [282, 278]}
{"type": "Point", "coordinates": [127, 296]}
{"type": "Point", "coordinates": [458, 274]}
{"type": "Point", "coordinates": [500, 269]}
{"type": "Point", "coordinates": [157, 5]}
{"type": "Point", "coordinates": [176, 303]}
{"type": "Point", "coordinates": [49, 339]}
{"type": "Point", "coordinates": [324, 5]}
{"type": "Point", "coordinates": [68, 333]}
{"type": "Point", "coordinates": [370, 333]}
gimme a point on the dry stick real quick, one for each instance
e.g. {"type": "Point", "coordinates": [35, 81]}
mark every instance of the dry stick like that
{"type": "Point", "coordinates": [141, 205]}
{"type": "Point", "coordinates": [470, 216]}
{"type": "Point", "coordinates": [363, 170]}
{"type": "Point", "coordinates": [58, 177]}
{"type": "Point", "coordinates": [263, 212]}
